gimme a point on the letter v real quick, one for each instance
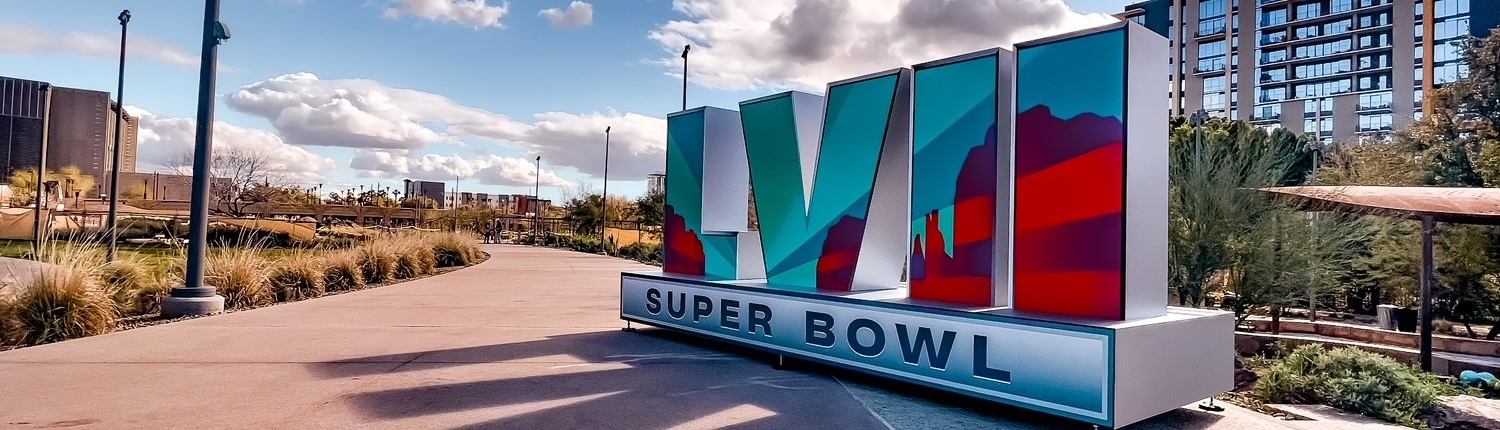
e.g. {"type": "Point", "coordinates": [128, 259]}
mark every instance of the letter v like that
{"type": "Point", "coordinates": [813, 193]}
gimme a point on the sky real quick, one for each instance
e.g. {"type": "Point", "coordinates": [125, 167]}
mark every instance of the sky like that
{"type": "Point", "coordinates": [344, 93]}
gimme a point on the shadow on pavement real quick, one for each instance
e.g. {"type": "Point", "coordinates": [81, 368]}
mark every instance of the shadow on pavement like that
{"type": "Point", "coordinates": [657, 378]}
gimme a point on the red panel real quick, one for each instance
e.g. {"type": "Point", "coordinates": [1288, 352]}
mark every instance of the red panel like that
{"type": "Point", "coordinates": [1080, 294]}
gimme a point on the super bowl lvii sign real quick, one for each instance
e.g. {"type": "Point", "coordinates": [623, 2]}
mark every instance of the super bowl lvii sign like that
{"type": "Point", "coordinates": [992, 224]}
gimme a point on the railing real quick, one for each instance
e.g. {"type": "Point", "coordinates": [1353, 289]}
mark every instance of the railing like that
{"type": "Point", "coordinates": [1209, 32]}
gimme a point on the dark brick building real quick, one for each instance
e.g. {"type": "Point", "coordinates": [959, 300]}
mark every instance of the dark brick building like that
{"type": "Point", "coordinates": [81, 130]}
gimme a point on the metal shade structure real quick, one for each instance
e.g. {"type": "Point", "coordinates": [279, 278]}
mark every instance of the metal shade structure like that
{"type": "Point", "coordinates": [1451, 205]}
{"type": "Point", "coordinates": [1430, 205]}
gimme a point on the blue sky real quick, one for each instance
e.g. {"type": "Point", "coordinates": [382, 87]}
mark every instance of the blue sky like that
{"type": "Point", "coordinates": [345, 93]}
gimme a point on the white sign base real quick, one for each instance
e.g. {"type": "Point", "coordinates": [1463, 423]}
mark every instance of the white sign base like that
{"type": "Point", "coordinates": [1106, 373]}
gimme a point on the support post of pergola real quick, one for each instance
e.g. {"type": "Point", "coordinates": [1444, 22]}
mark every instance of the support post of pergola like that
{"type": "Point", "coordinates": [1429, 205]}
{"type": "Point", "coordinates": [1425, 296]}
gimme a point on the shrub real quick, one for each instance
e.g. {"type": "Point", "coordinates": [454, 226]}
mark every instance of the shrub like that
{"type": "Point", "coordinates": [587, 244]}
{"type": "Point", "coordinates": [240, 275]}
{"type": "Point", "coordinates": [454, 249]}
{"type": "Point", "coordinates": [1350, 379]}
{"type": "Point", "coordinates": [298, 277]}
{"type": "Point", "coordinates": [377, 262]}
{"type": "Point", "coordinates": [64, 300]}
{"type": "Point", "coordinates": [148, 298]}
{"type": "Point", "coordinates": [643, 252]}
{"type": "Point", "coordinates": [123, 280]}
{"type": "Point", "coordinates": [414, 260]}
{"type": "Point", "coordinates": [341, 272]}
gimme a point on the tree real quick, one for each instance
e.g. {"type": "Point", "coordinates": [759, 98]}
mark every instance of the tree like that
{"type": "Point", "coordinates": [1212, 200]}
{"type": "Point", "coordinates": [650, 209]}
{"type": "Point", "coordinates": [69, 178]}
{"type": "Point", "coordinates": [584, 212]}
{"type": "Point", "coordinates": [419, 202]}
{"type": "Point", "coordinates": [234, 171]}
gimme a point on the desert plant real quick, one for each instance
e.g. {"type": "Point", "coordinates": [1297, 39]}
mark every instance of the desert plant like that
{"type": "Point", "coordinates": [454, 249]}
{"type": "Point", "coordinates": [64, 300]}
{"type": "Point", "coordinates": [1350, 379]}
{"type": "Point", "coordinates": [123, 280]}
{"type": "Point", "coordinates": [413, 260]}
{"type": "Point", "coordinates": [341, 271]}
{"type": "Point", "coordinates": [298, 277]}
{"type": "Point", "coordinates": [148, 299]}
{"type": "Point", "coordinates": [240, 275]}
{"type": "Point", "coordinates": [377, 262]}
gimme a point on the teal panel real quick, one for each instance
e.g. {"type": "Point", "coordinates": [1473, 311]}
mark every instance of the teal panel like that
{"type": "Point", "coordinates": [720, 251]}
{"type": "Point", "coordinates": [1083, 92]}
{"type": "Point", "coordinates": [795, 232]}
{"type": "Point", "coordinates": [685, 167]}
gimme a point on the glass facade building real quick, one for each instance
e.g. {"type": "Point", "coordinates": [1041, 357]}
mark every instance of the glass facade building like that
{"type": "Point", "coordinates": [1342, 70]}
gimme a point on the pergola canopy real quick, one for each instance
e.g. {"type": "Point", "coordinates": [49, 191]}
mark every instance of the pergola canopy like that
{"type": "Point", "coordinates": [1443, 204]}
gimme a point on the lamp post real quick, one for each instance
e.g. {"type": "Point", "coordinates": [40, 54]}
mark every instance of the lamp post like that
{"type": "Point", "coordinates": [685, 49]}
{"type": "Point", "coordinates": [36, 232]}
{"type": "Point", "coordinates": [536, 215]}
{"type": "Point", "coordinates": [114, 168]}
{"type": "Point", "coordinates": [194, 297]}
{"type": "Point", "coordinates": [604, 202]}
{"type": "Point", "coordinates": [1197, 120]}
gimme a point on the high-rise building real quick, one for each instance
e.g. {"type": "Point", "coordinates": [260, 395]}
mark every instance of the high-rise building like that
{"type": "Point", "coordinates": [23, 104]}
{"type": "Point", "coordinates": [428, 189]}
{"type": "Point", "coordinates": [80, 130]}
{"type": "Point", "coordinates": [656, 183]}
{"type": "Point", "coordinates": [1338, 69]}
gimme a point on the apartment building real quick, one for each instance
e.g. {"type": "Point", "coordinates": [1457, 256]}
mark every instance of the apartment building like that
{"type": "Point", "coordinates": [1342, 70]}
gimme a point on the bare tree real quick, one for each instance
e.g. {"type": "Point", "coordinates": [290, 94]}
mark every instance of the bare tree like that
{"type": "Point", "coordinates": [234, 173]}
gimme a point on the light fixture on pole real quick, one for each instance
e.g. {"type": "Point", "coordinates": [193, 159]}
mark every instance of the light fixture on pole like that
{"type": "Point", "coordinates": [114, 168]}
{"type": "Point", "coordinates": [194, 297]}
{"type": "Point", "coordinates": [685, 49]}
{"type": "Point", "coordinates": [604, 202]}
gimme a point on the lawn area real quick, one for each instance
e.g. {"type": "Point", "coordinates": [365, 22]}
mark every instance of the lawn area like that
{"type": "Point", "coordinates": [158, 257]}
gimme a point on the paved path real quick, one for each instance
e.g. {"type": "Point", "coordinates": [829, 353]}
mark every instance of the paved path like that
{"type": "Point", "coordinates": [528, 340]}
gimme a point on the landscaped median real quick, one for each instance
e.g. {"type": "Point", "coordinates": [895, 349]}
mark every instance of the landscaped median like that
{"type": "Point", "coordinates": [74, 293]}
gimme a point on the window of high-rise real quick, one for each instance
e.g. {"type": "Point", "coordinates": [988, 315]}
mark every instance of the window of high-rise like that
{"type": "Point", "coordinates": [1340, 67]}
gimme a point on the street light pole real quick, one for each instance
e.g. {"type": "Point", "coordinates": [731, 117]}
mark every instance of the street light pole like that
{"type": "Point", "coordinates": [536, 195]}
{"type": "Point", "coordinates": [114, 170]}
{"type": "Point", "coordinates": [604, 202]}
{"type": "Point", "coordinates": [685, 49]}
{"type": "Point", "coordinates": [195, 298]}
{"type": "Point", "coordinates": [41, 166]}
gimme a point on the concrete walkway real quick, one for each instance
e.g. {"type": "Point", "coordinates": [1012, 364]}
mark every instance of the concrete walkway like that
{"type": "Point", "coordinates": [528, 340]}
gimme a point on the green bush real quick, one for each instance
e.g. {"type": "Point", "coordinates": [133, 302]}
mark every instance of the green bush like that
{"type": "Point", "coordinates": [649, 253]}
{"type": "Point", "coordinates": [341, 272]}
{"type": "Point", "coordinates": [584, 244]}
{"type": "Point", "coordinates": [1350, 379]}
{"type": "Point", "coordinates": [299, 277]}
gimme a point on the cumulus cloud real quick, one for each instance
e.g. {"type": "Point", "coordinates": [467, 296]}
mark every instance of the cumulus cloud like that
{"type": "Point", "coordinates": [578, 14]}
{"type": "Point", "coordinates": [487, 169]}
{"type": "Point", "coordinates": [471, 13]}
{"type": "Point", "coordinates": [28, 40]}
{"type": "Point", "coordinates": [365, 114]}
{"type": "Point", "coordinates": [804, 44]}
{"type": "Point", "coordinates": [163, 139]}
